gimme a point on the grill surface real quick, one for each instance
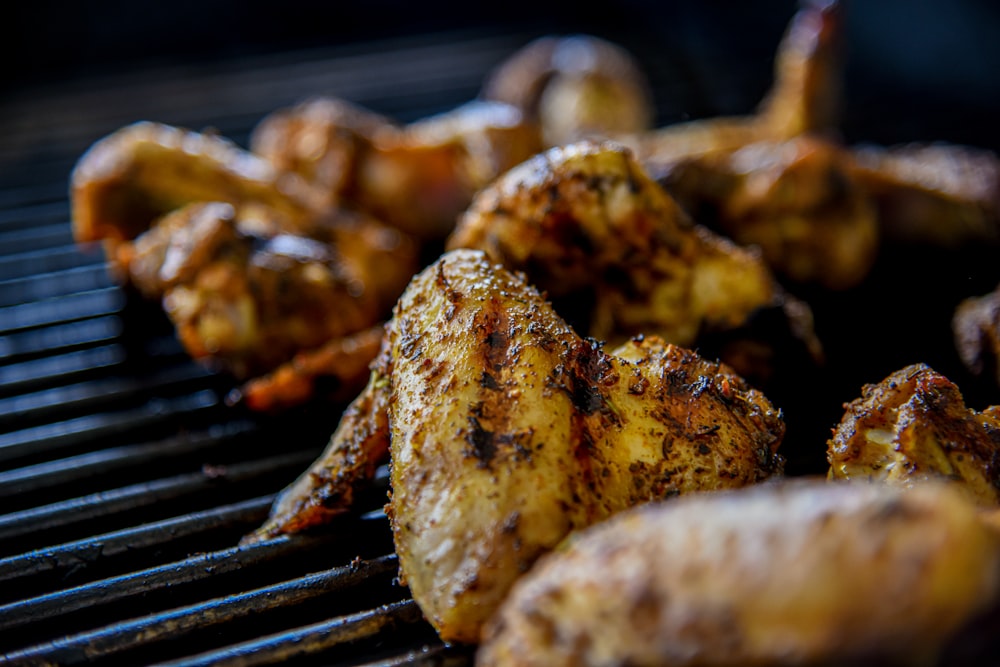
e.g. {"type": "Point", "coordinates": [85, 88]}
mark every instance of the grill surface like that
{"type": "Point", "coordinates": [125, 478]}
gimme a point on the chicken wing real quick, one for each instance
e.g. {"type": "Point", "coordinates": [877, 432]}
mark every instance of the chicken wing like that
{"type": "Point", "coordinates": [145, 170]}
{"type": "Point", "coordinates": [577, 87]}
{"type": "Point", "coordinates": [417, 177]}
{"type": "Point", "coordinates": [247, 297]}
{"type": "Point", "coordinates": [798, 200]}
{"type": "Point", "coordinates": [976, 327]}
{"type": "Point", "coordinates": [507, 430]}
{"type": "Point", "coordinates": [797, 573]}
{"type": "Point", "coordinates": [587, 225]}
{"type": "Point", "coordinates": [914, 426]}
{"type": "Point", "coordinates": [938, 193]}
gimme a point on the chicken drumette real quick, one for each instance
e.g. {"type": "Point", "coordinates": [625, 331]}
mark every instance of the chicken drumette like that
{"type": "Point", "coordinates": [506, 431]}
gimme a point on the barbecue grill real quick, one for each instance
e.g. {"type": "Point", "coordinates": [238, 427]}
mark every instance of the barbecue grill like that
{"type": "Point", "coordinates": [126, 478]}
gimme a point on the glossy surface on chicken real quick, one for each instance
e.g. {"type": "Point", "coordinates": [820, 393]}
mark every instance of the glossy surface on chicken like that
{"type": "Point", "coordinates": [246, 296]}
{"type": "Point", "coordinates": [507, 431]}
{"type": "Point", "coordinates": [798, 200]}
{"type": "Point", "coordinates": [577, 87]}
{"type": "Point", "coordinates": [417, 177]}
{"type": "Point", "coordinates": [133, 176]}
{"type": "Point", "coordinates": [976, 327]}
{"type": "Point", "coordinates": [799, 573]}
{"type": "Point", "coordinates": [941, 194]}
{"type": "Point", "coordinates": [586, 221]}
{"type": "Point", "coordinates": [914, 426]}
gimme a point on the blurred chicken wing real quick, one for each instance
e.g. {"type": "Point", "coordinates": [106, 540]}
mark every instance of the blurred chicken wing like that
{"type": "Point", "coordinates": [797, 573]}
{"type": "Point", "coordinates": [417, 177]}
{"type": "Point", "coordinates": [246, 296]}
{"type": "Point", "coordinates": [976, 327]}
{"type": "Point", "coordinates": [576, 87]}
{"type": "Point", "coordinates": [914, 426]}
{"type": "Point", "coordinates": [587, 225]}
{"type": "Point", "coordinates": [507, 431]}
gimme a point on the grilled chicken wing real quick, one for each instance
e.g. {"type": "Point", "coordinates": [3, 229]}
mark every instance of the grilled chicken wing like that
{"type": "Point", "coordinates": [417, 177]}
{"type": "Point", "coordinates": [942, 194]}
{"type": "Point", "coordinates": [798, 200]}
{"type": "Point", "coordinates": [914, 426]}
{"type": "Point", "coordinates": [507, 431]}
{"type": "Point", "coordinates": [247, 296]}
{"type": "Point", "coordinates": [577, 87]}
{"type": "Point", "coordinates": [145, 170]}
{"type": "Point", "coordinates": [976, 327]}
{"type": "Point", "coordinates": [588, 225]}
{"type": "Point", "coordinates": [799, 573]}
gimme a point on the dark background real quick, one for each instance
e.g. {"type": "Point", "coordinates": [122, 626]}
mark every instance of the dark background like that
{"type": "Point", "coordinates": [915, 70]}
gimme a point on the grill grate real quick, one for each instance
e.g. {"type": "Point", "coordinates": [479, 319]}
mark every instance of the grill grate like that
{"type": "Point", "coordinates": [126, 480]}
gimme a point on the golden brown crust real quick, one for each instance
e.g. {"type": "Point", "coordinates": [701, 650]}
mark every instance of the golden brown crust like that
{"type": "Point", "coordinates": [416, 177]}
{"type": "Point", "coordinates": [914, 426]}
{"type": "Point", "coordinates": [586, 218]}
{"type": "Point", "coordinates": [799, 573]}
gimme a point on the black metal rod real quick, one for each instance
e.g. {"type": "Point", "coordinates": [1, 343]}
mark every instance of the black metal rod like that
{"type": "Point", "coordinates": [52, 437]}
{"type": "Point", "coordinates": [55, 473]}
{"type": "Point", "coordinates": [310, 639]}
{"type": "Point", "coordinates": [71, 554]}
{"type": "Point", "coordinates": [53, 259]}
{"type": "Point", "coordinates": [177, 623]}
{"type": "Point", "coordinates": [79, 306]}
{"type": "Point", "coordinates": [61, 514]}
{"type": "Point", "coordinates": [429, 655]}
{"type": "Point", "coordinates": [45, 608]}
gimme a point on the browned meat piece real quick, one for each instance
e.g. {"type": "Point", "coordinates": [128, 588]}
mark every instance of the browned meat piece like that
{"type": "Point", "coordinates": [247, 297]}
{"type": "Point", "coordinates": [914, 426]}
{"type": "Point", "coordinates": [941, 194]}
{"type": "Point", "coordinates": [577, 87]}
{"type": "Point", "coordinates": [507, 431]}
{"type": "Point", "coordinates": [417, 177]}
{"type": "Point", "coordinates": [134, 176]}
{"type": "Point", "coordinates": [798, 573]}
{"type": "Point", "coordinates": [976, 326]}
{"type": "Point", "coordinates": [587, 224]}
{"type": "Point", "coordinates": [798, 200]}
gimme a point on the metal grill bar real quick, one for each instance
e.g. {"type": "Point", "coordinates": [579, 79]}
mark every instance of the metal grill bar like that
{"type": "Point", "coordinates": [178, 623]}
{"type": "Point", "coordinates": [71, 555]}
{"type": "Point", "coordinates": [49, 259]}
{"type": "Point", "coordinates": [130, 498]}
{"type": "Point", "coordinates": [311, 639]}
{"type": "Point", "coordinates": [79, 306]}
{"type": "Point", "coordinates": [55, 284]}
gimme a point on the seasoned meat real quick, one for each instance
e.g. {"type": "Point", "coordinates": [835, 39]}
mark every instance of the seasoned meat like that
{"type": "Point", "coordinates": [914, 426]}
{"type": "Point", "coordinates": [577, 87]}
{"type": "Point", "coordinates": [937, 193]}
{"type": "Point", "coordinates": [417, 177]}
{"type": "Point", "coordinates": [976, 327]}
{"type": "Point", "coordinates": [247, 297]}
{"type": "Point", "coordinates": [507, 430]}
{"type": "Point", "coordinates": [137, 174]}
{"type": "Point", "coordinates": [798, 573]}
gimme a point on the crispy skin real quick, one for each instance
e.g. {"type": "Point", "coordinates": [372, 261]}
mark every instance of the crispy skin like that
{"type": "Point", "coordinates": [914, 426]}
{"type": "Point", "coordinates": [137, 174]}
{"type": "Point", "coordinates": [800, 573]}
{"type": "Point", "coordinates": [417, 177]}
{"type": "Point", "coordinates": [587, 219]}
{"type": "Point", "coordinates": [507, 431]}
{"type": "Point", "coordinates": [976, 327]}
{"type": "Point", "coordinates": [246, 296]}
{"type": "Point", "coordinates": [578, 87]}
{"type": "Point", "coordinates": [941, 194]}
{"type": "Point", "coordinates": [798, 200]}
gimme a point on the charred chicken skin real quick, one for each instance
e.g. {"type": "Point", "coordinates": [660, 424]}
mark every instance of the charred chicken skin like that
{"type": "Point", "coordinates": [587, 224]}
{"type": "Point", "coordinates": [417, 177]}
{"type": "Point", "coordinates": [914, 426]}
{"type": "Point", "coordinates": [506, 431]}
{"type": "Point", "coordinates": [248, 297]}
{"type": "Point", "coordinates": [575, 87]}
{"type": "Point", "coordinates": [795, 573]}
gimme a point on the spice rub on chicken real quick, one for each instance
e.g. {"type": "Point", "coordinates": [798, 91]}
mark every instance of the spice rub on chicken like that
{"type": "Point", "coordinates": [506, 431]}
{"type": "Point", "coordinates": [914, 426]}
